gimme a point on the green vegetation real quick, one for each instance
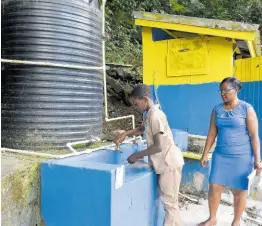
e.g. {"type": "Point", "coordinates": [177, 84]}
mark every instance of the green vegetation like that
{"type": "Point", "coordinates": [123, 38]}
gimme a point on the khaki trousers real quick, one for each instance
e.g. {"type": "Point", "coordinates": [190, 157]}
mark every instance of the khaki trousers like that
{"type": "Point", "coordinates": [169, 183]}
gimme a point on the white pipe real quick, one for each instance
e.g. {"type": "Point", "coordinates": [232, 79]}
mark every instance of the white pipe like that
{"type": "Point", "coordinates": [95, 149]}
{"type": "Point", "coordinates": [75, 153]}
{"type": "Point", "coordinates": [107, 119]}
{"type": "Point", "coordinates": [123, 117]}
{"type": "Point", "coordinates": [27, 62]}
{"type": "Point", "coordinates": [155, 90]}
{"type": "Point", "coordinates": [26, 152]}
{"type": "Point", "coordinates": [104, 56]}
{"type": "Point", "coordinates": [69, 145]}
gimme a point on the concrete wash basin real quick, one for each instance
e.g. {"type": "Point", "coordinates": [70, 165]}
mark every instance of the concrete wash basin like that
{"type": "Point", "coordinates": [100, 189]}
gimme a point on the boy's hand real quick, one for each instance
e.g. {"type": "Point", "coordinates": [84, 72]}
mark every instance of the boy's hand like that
{"type": "Point", "coordinates": [132, 158]}
{"type": "Point", "coordinates": [120, 138]}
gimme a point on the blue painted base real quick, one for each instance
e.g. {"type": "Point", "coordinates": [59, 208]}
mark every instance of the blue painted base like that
{"type": "Point", "coordinates": [81, 191]}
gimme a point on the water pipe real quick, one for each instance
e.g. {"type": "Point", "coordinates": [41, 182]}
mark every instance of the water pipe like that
{"type": "Point", "coordinates": [75, 153]}
{"type": "Point", "coordinates": [107, 119]}
{"type": "Point", "coordinates": [155, 89]}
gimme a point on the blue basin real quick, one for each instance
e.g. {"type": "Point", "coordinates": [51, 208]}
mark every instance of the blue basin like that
{"type": "Point", "coordinates": [81, 190]}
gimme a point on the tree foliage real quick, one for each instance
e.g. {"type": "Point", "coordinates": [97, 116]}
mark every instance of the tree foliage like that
{"type": "Point", "coordinates": [123, 40]}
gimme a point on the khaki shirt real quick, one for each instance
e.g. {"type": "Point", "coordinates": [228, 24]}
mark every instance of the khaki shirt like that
{"type": "Point", "coordinates": [171, 156]}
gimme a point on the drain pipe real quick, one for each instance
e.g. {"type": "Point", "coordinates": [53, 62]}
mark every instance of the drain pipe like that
{"type": "Point", "coordinates": [107, 119]}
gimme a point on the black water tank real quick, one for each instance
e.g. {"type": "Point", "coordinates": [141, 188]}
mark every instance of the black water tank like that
{"type": "Point", "coordinates": [45, 107]}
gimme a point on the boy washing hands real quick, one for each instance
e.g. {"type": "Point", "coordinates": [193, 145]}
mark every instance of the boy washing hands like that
{"type": "Point", "coordinates": [164, 156]}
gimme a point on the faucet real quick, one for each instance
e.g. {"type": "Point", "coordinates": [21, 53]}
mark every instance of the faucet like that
{"type": "Point", "coordinates": [118, 148]}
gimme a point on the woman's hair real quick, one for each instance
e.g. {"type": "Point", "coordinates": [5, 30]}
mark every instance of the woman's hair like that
{"type": "Point", "coordinates": [141, 91]}
{"type": "Point", "coordinates": [234, 82]}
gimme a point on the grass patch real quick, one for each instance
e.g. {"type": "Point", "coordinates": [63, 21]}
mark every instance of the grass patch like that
{"type": "Point", "coordinates": [90, 145]}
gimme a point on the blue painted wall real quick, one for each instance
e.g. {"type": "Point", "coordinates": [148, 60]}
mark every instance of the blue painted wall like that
{"type": "Point", "coordinates": [251, 93]}
{"type": "Point", "coordinates": [187, 105]}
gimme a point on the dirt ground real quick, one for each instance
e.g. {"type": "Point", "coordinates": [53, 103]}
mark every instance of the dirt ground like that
{"type": "Point", "coordinates": [117, 108]}
{"type": "Point", "coordinates": [192, 213]}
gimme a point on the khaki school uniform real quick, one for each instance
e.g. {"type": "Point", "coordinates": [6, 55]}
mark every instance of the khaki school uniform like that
{"type": "Point", "coordinates": [168, 163]}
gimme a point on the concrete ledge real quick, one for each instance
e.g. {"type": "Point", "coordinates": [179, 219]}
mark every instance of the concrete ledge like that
{"type": "Point", "coordinates": [20, 190]}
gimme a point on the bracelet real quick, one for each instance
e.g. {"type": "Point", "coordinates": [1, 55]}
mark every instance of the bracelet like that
{"type": "Point", "coordinates": [259, 161]}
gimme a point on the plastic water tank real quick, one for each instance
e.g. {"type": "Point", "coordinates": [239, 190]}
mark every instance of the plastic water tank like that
{"type": "Point", "coordinates": [45, 107]}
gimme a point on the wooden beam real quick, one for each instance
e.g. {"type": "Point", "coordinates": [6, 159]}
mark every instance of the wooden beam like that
{"type": "Point", "coordinates": [251, 48]}
{"type": "Point", "coordinates": [244, 35]}
{"type": "Point", "coordinates": [170, 33]}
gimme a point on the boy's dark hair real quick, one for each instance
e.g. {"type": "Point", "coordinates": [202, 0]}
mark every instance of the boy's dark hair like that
{"type": "Point", "coordinates": [141, 91]}
{"type": "Point", "coordinates": [234, 82]}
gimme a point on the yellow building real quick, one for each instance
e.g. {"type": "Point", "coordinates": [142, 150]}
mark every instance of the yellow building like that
{"type": "Point", "coordinates": [185, 59]}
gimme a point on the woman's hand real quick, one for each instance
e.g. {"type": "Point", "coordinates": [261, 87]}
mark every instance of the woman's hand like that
{"type": "Point", "coordinates": [258, 167]}
{"type": "Point", "coordinates": [203, 160]}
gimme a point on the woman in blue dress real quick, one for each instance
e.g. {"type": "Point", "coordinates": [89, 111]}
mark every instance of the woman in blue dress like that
{"type": "Point", "coordinates": [237, 153]}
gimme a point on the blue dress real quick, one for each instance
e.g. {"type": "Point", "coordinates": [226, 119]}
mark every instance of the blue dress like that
{"type": "Point", "coordinates": [233, 158]}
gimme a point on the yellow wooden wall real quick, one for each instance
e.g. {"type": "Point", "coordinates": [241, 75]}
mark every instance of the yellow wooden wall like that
{"type": "Point", "coordinates": [249, 70]}
{"type": "Point", "coordinates": [218, 59]}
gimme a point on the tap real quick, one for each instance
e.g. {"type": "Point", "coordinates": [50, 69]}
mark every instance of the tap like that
{"type": "Point", "coordinates": [118, 148]}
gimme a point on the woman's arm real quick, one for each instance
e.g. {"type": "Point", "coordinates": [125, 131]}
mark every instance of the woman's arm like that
{"type": "Point", "coordinates": [210, 139]}
{"type": "Point", "coordinates": [252, 126]}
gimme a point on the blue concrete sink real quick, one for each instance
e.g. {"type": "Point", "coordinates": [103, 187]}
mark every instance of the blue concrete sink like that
{"type": "Point", "coordinates": [81, 190]}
